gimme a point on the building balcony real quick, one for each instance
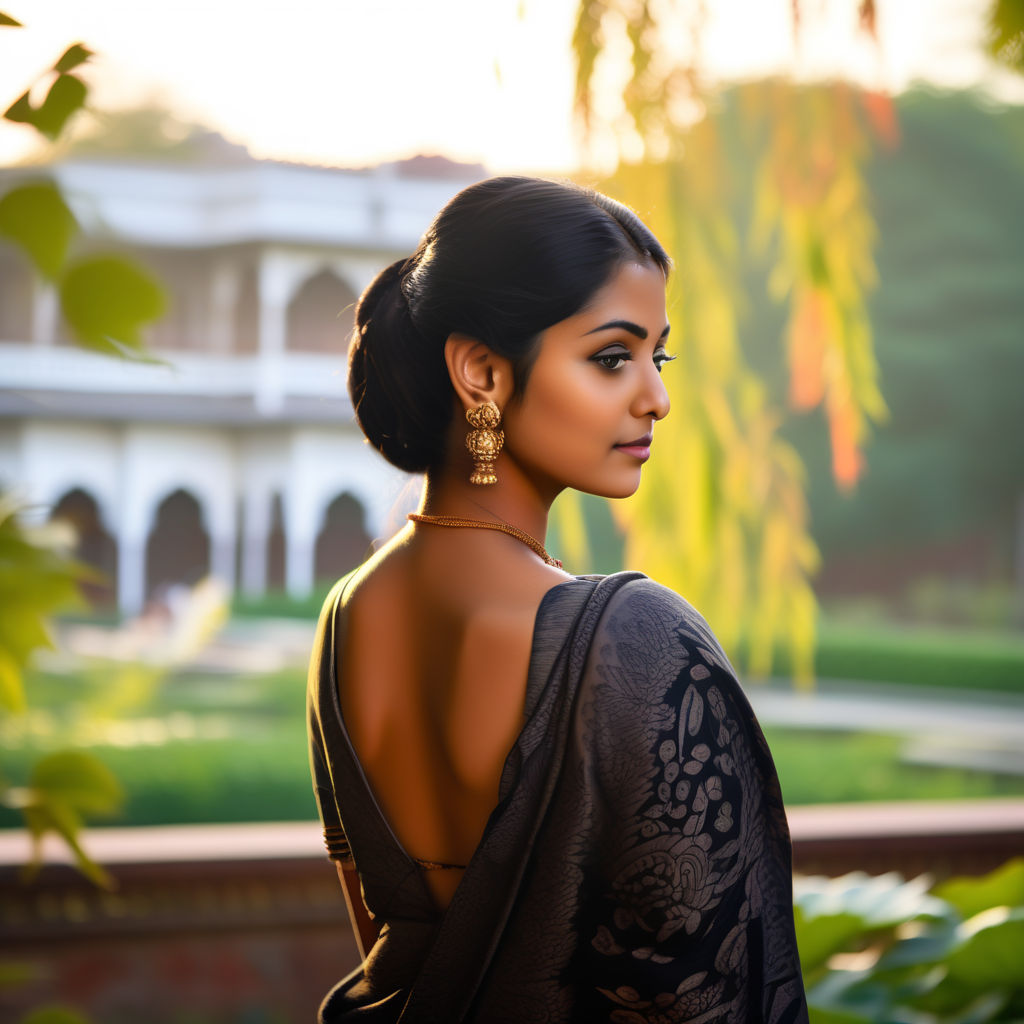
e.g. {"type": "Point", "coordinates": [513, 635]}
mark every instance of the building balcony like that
{"type": "Point", "coordinates": [63, 382]}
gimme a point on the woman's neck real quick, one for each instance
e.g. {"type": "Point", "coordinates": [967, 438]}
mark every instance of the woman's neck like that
{"type": "Point", "coordinates": [510, 501]}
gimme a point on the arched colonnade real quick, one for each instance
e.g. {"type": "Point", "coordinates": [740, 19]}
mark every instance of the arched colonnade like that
{"type": "Point", "coordinates": [175, 503]}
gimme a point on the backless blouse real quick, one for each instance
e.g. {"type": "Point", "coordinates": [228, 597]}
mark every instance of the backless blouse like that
{"type": "Point", "coordinates": [637, 865]}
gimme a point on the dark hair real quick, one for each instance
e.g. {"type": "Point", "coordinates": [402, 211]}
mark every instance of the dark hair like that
{"type": "Point", "coordinates": [504, 260]}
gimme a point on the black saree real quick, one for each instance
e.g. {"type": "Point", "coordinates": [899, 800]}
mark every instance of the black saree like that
{"type": "Point", "coordinates": [636, 867]}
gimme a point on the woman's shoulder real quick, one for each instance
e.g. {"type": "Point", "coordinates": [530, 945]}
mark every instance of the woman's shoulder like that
{"type": "Point", "coordinates": [638, 589]}
{"type": "Point", "coordinates": [657, 677]}
{"type": "Point", "coordinates": [646, 616]}
{"type": "Point", "coordinates": [372, 587]}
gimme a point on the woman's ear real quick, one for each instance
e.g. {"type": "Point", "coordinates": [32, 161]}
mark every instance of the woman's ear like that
{"type": "Point", "coordinates": [477, 372]}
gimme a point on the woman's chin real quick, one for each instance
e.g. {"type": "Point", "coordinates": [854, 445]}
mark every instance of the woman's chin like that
{"type": "Point", "coordinates": [623, 487]}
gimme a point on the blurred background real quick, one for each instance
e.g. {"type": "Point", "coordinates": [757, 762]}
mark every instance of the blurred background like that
{"type": "Point", "coordinates": [191, 199]}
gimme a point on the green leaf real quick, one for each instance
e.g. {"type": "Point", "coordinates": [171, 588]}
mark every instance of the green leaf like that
{"type": "Point", "coordinates": [73, 56]}
{"type": "Point", "coordinates": [79, 780]}
{"type": "Point", "coordinates": [948, 999]}
{"type": "Point", "coordinates": [36, 578]}
{"type": "Point", "coordinates": [63, 784]}
{"type": "Point", "coordinates": [21, 110]}
{"type": "Point", "coordinates": [847, 997]}
{"type": "Point", "coordinates": [107, 299]}
{"type": "Point", "coordinates": [818, 938]}
{"type": "Point", "coordinates": [1006, 33]}
{"type": "Point", "coordinates": [990, 956]}
{"type": "Point", "coordinates": [930, 947]}
{"type": "Point", "coordinates": [982, 1009]}
{"type": "Point", "coordinates": [54, 1015]}
{"type": "Point", "coordinates": [6, 21]}
{"type": "Point", "coordinates": [23, 629]}
{"type": "Point", "coordinates": [66, 95]}
{"type": "Point", "coordinates": [36, 218]}
{"type": "Point", "coordinates": [1003, 887]}
{"type": "Point", "coordinates": [12, 690]}
{"type": "Point", "coordinates": [53, 816]}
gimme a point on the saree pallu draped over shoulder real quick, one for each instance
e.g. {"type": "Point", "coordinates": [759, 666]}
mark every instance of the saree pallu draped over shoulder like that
{"type": "Point", "coordinates": [637, 865]}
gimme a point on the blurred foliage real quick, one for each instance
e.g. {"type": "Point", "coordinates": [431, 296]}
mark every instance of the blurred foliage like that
{"type": "Point", "coordinates": [62, 788]}
{"type": "Point", "coordinates": [37, 575]}
{"type": "Point", "coordinates": [950, 329]}
{"type": "Point", "coordinates": [37, 578]}
{"type": "Point", "coordinates": [810, 200]}
{"type": "Point", "coordinates": [63, 99]}
{"type": "Point", "coordinates": [725, 520]}
{"type": "Point", "coordinates": [882, 949]}
{"type": "Point", "coordinates": [103, 699]}
{"type": "Point", "coordinates": [1006, 33]}
{"type": "Point", "coordinates": [36, 218]}
{"type": "Point", "coordinates": [105, 299]}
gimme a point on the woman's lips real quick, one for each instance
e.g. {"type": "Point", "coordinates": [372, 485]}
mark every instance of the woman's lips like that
{"type": "Point", "coordinates": [639, 449]}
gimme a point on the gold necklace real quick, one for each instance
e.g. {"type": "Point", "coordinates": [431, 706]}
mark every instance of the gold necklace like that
{"type": "Point", "coordinates": [512, 531]}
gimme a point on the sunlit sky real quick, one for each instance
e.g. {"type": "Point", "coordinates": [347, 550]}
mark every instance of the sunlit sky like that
{"type": "Point", "coordinates": [354, 82]}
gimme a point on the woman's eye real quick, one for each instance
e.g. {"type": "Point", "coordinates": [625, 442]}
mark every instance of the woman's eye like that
{"type": "Point", "coordinates": [661, 358]}
{"type": "Point", "coordinates": [612, 360]}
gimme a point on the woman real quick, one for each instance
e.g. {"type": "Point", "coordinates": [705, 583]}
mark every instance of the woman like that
{"type": "Point", "coordinates": [547, 796]}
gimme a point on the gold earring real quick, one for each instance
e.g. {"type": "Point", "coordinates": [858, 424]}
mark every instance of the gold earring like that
{"type": "Point", "coordinates": [484, 441]}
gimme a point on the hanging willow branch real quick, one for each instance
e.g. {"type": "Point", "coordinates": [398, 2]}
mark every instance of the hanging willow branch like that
{"type": "Point", "coordinates": [722, 516]}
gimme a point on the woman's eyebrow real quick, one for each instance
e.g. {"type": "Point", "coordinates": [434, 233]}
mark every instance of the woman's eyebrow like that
{"type": "Point", "coordinates": [622, 325]}
{"type": "Point", "coordinates": [628, 325]}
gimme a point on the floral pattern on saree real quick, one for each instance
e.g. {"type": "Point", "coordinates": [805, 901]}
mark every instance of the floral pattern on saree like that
{"type": "Point", "coordinates": [697, 922]}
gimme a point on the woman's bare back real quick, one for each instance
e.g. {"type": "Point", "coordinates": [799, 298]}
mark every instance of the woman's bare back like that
{"type": "Point", "coordinates": [432, 679]}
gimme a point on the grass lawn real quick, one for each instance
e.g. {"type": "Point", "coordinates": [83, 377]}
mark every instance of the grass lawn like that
{"type": "Point", "coordinates": [829, 767]}
{"type": "Point", "coordinates": [925, 656]}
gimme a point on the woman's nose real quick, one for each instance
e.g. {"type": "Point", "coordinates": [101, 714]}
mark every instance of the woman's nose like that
{"type": "Point", "coordinates": [652, 399]}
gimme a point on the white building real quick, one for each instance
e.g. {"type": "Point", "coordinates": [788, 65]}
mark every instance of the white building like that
{"type": "Point", "coordinates": [239, 456]}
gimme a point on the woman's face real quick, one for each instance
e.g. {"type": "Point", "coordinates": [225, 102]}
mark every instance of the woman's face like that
{"type": "Point", "coordinates": [595, 391]}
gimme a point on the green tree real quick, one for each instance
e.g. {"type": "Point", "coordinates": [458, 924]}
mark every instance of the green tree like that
{"type": "Point", "coordinates": [105, 299]}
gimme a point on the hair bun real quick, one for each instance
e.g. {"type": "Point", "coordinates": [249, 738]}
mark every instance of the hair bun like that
{"type": "Point", "coordinates": [398, 383]}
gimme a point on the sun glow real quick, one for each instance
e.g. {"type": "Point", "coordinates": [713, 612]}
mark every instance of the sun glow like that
{"type": "Point", "coordinates": [350, 84]}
